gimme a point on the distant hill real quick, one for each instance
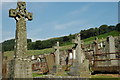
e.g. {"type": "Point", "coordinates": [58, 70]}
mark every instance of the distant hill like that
{"type": "Point", "coordinates": [64, 47]}
{"type": "Point", "coordinates": [86, 35]}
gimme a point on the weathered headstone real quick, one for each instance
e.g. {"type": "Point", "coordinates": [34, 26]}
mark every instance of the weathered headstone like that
{"type": "Point", "coordinates": [112, 50]}
{"type": "Point", "coordinates": [96, 46]}
{"type": "Point", "coordinates": [57, 68]}
{"type": "Point", "coordinates": [19, 69]}
{"type": "Point", "coordinates": [5, 71]}
{"type": "Point", "coordinates": [50, 61]}
{"type": "Point", "coordinates": [96, 51]}
{"type": "Point", "coordinates": [81, 65]}
{"type": "Point", "coordinates": [57, 54]}
{"type": "Point", "coordinates": [79, 55]}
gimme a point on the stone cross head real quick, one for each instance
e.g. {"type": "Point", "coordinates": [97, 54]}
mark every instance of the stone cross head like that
{"type": "Point", "coordinates": [57, 46]}
{"type": "Point", "coordinates": [77, 39]}
{"type": "Point", "coordinates": [20, 12]}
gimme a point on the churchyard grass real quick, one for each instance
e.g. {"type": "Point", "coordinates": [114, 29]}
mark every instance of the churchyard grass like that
{"type": "Point", "coordinates": [37, 75]}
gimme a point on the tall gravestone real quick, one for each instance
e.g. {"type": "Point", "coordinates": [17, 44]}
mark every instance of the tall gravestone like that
{"type": "Point", "coordinates": [96, 51]}
{"type": "Point", "coordinates": [112, 50]}
{"type": "Point", "coordinates": [57, 68]}
{"type": "Point", "coordinates": [57, 58]}
{"type": "Point", "coordinates": [81, 65]}
{"type": "Point", "coordinates": [21, 66]}
{"type": "Point", "coordinates": [57, 54]}
{"type": "Point", "coordinates": [106, 50]}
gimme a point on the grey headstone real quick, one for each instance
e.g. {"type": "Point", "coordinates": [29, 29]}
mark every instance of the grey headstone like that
{"type": "Point", "coordinates": [57, 54]}
{"type": "Point", "coordinates": [96, 51]}
{"type": "Point", "coordinates": [81, 64]}
{"type": "Point", "coordinates": [57, 68]}
{"type": "Point", "coordinates": [112, 50]}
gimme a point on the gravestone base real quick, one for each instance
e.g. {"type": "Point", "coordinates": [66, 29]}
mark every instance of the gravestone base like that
{"type": "Point", "coordinates": [74, 71]}
{"type": "Point", "coordinates": [81, 70]}
{"type": "Point", "coordinates": [84, 69]}
{"type": "Point", "coordinates": [85, 74]}
{"type": "Point", "coordinates": [57, 70]}
{"type": "Point", "coordinates": [20, 69]}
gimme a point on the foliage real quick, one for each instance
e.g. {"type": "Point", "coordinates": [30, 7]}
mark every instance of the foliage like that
{"type": "Point", "coordinates": [8, 45]}
{"type": "Point", "coordinates": [118, 27]}
{"type": "Point", "coordinates": [96, 31]}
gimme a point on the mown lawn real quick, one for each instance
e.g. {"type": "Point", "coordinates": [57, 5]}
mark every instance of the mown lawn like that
{"type": "Point", "coordinates": [98, 77]}
{"type": "Point", "coordinates": [37, 75]}
{"type": "Point", "coordinates": [93, 77]}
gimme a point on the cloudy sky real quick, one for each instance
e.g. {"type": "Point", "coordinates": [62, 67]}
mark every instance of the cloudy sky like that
{"type": "Point", "coordinates": [55, 19]}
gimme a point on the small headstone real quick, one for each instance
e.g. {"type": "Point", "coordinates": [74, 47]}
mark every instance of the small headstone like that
{"type": "Point", "coordinates": [33, 57]}
{"type": "Point", "coordinates": [50, 62]}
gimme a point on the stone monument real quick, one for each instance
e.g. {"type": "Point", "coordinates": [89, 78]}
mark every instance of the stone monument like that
{"type": "Point", "coordinates": [81, 64]}
{"type": "Point", "coordinates": [20, 66]}
{"type": "Point", "coordinates": [111, 43]}
{"type": "Point", "coordinates": [96, 51]}
{"type": "Point", "coordinates": [57, 54]}
{"type": "Point", "coordinates": [57, 68]}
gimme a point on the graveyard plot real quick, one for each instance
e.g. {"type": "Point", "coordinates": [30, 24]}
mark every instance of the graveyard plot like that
{"type": "Point", "coordinates": [77, 60]}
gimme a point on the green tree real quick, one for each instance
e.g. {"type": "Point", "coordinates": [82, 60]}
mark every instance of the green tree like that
{"type": "Point", "coordinates": [117, 27]}
{"type": "Point", "coordinates": [103, 29]}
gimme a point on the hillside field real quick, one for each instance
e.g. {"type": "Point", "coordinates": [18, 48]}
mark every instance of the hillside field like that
{"type": "Point", "coordinates": [9, 54]}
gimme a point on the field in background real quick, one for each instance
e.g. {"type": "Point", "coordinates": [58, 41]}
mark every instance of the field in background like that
{"type": "Point", "coordinates": [10, 54]}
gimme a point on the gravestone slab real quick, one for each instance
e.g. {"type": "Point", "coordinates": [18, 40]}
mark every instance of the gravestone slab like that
{"type": "Point", "coordinates": [50, 62]}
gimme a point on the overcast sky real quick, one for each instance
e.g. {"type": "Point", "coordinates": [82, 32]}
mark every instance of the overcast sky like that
{"type": "Point", "coordinates": [55, 19]}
